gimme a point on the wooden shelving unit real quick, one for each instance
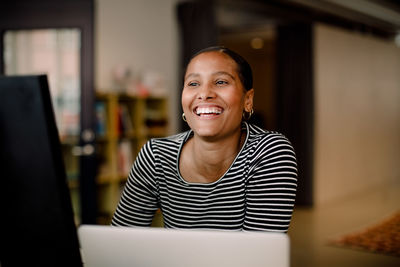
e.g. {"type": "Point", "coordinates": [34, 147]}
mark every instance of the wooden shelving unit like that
{"type": "Point", "coordinates": [124, 124]}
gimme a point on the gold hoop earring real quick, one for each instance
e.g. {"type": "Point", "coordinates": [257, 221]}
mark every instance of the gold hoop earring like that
{"type": "Point", "coordinates": [183, 117]}
{"type": "Point", "coordinates": [247, 115]}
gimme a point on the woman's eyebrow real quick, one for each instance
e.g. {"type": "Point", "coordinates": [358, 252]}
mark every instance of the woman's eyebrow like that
{"type": "Point", "coordinates": [223, 73]}
{"type": "Point", "coordinates": [192, 75]}
{"type": "Point", "coordinates": [196, 75]}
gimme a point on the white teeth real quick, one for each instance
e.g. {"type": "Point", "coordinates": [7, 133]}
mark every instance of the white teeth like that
{"type": "Point", "coordinates": [208, 110]}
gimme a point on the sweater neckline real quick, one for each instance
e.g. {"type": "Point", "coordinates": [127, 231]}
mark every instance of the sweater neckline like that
{"type": "Point", "coordinates": [188, 135]}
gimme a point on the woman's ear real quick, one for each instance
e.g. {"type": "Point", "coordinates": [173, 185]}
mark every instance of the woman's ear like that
{"type": "Point", "coordinates": [248, 100]}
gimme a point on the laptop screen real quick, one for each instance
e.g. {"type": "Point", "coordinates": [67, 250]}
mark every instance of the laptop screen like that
{"type": "Point", "coordinates": [37, 226]}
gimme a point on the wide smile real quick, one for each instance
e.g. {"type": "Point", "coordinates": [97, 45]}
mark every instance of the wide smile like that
{"type": "Point", "coordinates": [208, 111]}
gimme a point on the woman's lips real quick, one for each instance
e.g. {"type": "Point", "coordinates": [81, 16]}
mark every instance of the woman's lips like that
{"type": "Point", "coordinates": [207, 110]}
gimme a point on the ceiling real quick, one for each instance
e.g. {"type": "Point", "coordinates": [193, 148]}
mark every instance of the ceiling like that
{"type": "Point", "coordinates": [380, 17]}
{"type": "Point", "coordinates": [378, 13]}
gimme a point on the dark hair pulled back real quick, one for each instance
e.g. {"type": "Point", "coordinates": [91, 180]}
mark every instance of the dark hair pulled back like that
{"type": "Point", "coordinates": [244, 68]}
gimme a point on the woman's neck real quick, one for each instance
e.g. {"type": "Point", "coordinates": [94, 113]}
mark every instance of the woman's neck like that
{"type": "Point", "coordinates": [206, 161]}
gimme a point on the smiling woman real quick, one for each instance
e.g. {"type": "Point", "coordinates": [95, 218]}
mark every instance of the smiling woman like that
{"type": "Point", "coordinates": [212, 83]}
{"type": "Point", "coordinates": [223, 173]}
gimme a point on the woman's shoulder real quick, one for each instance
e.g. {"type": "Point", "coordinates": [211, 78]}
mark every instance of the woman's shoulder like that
{"type": "Point", "coordinates": [176, 138]}
{"type": "Point", "coordinates": [258, 133]}
{"type": "Point", "coordinates": [167, 143]}
{"type": "Point", "coordinates": [269, 146]}
{"type": "Point", "coordinates": [264, 141]}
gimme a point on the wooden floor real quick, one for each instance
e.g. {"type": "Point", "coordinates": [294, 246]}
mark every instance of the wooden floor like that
{"type": "Point", "coordinates": [312, 228]}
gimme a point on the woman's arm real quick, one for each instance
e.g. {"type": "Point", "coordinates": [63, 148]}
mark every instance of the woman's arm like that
{"type": "Point", "coordinates": [271, 185]}
{"type": "Point", "coordinates": [139, 200]}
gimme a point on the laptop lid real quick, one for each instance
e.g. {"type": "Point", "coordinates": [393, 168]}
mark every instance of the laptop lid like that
{"type": "Point", "coordinates": [123, 246]}
{"type": "Point", "coordinates": [37, 224]}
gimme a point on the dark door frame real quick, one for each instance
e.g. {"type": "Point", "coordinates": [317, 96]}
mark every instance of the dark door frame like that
{"type": "Point", "coordinates": [45, 14]}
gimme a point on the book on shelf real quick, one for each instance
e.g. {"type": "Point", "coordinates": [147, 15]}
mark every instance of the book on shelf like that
{"type": "Point", "coordinates": [125, 157]}
{"type": "Point", "coordinates": [125, 125]}
{"type": "Point", "coordinates": [101, 118]}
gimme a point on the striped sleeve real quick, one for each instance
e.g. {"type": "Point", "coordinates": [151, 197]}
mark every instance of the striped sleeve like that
{"type": "Point", "coordinates": [139, 200]}
{"type": "Point", "coordinates": [271, 185]}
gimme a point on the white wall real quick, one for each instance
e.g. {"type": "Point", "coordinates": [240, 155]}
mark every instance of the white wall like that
{"type": "Point", "coordinates": [357, 113]}
{"type": "Point", "coordinates": [141, 35]}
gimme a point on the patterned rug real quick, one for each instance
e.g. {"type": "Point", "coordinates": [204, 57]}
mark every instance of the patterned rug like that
{"type": "Point", "coordinates": [383, 237]}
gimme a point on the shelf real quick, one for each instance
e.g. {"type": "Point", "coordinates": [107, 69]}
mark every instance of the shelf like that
{"type": "Point", "coordinates": [69, 140]}
{"type": "Point", "coordinates": [124, 124]}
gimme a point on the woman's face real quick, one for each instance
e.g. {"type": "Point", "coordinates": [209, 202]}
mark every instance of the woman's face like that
{"type": "Point", "coordinates": [213, 96]}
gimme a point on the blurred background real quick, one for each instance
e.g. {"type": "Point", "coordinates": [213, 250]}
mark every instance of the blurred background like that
{"type": "Point", "coordinates": [326, 74]}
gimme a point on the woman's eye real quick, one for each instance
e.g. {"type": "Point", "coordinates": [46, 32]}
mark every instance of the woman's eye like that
{"type": "Point", "coordinates": [193, 84]}
{"type": "Point", "coordinates": [220, 82]}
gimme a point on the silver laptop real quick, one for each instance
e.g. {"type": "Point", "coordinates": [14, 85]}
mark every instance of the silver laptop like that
{"type": "Point", "coordinates": [158, 247]}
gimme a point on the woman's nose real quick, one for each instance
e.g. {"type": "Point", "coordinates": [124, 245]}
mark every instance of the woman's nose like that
{"type": "Point", "coordinates": [206, 92]}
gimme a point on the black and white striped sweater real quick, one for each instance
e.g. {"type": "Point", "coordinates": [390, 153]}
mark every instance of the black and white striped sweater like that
{"type": "Point", "coordinates": [256, 193]}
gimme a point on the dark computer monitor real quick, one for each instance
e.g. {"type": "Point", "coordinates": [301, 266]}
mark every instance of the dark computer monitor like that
{"type": "Point", "coordinates": [37, 224]}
